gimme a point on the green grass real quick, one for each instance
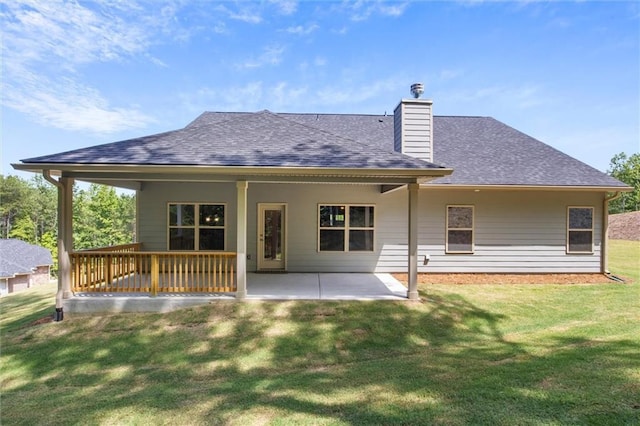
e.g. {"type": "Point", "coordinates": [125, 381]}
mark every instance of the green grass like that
{"type": "Point", "coordinates": [624, 259]}
{"type": "Point", "coordinates": [485, 354]}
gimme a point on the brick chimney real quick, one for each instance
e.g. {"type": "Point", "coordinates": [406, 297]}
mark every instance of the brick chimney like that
{"type": "Point", "coordinates": [413, 126]}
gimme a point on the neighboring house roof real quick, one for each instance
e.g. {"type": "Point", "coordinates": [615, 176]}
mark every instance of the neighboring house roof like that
{"type": "Point", "coordinates": [481, 150]}
{"type": "Point", "coordinates": [18, 257]}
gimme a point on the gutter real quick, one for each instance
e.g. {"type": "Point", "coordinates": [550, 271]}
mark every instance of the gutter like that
{"type": "Point", "coordinates": [604, 262]}
{"type": "Point", "coordinates": [46, 174]}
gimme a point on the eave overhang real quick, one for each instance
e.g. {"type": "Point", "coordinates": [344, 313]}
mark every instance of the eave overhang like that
{"type": "Point", "coordinates": [125, 175]}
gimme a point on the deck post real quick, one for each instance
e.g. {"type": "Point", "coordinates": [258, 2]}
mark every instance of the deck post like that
{"type": "Point", "coordinates": [412, 292]}
{"type": "Point", "coordinates": [241, 244]}
{"type": "Point", "coordinates": [155, 275]}
{"type": "Point", "coordinates": [65, 234]}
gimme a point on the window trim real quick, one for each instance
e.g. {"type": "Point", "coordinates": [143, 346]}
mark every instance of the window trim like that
{"type": "Point", "coordinates": [592, 230]}
{"type": "Point", "coordinates": [196, 226]}
{"type": "Point", "coordinates": [472, 229]}
{"type": "Point", "coordinates": [346, 228]}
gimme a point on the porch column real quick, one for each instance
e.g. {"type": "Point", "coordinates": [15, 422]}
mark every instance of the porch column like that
{"type": "Point", "coordinates": [241, 244]}
{"type": "Point", "coordinates": [412, 254]}
{"type": "Point", "coordinates": [65, 235]}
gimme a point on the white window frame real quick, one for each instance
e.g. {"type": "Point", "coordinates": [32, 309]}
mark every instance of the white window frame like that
{"type": "Point", "coordinates": [569, 230]}
{"type": "Point", "coordinates": [472, 229]}
{"type": "Point", "coordinates": [346, 228]}
{"type": "Point", "coordinates": [196, 226]}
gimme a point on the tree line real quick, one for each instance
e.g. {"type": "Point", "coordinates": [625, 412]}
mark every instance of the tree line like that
{"type": "Point", "coordinates": [29, 212]}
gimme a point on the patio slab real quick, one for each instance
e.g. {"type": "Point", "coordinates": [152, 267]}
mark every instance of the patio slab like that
{"type": "Point", "coordinates": [324, 286]}
{"type": "Point", "coordinates": [260, 286]}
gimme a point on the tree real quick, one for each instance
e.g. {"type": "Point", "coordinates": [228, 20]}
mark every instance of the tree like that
{"type": "Point", "coordinates": [29, 209]}
{"type": "Point", "coordinates": [16, 201]}
{"type": "Point", "coordinates": [627, 170]}
{"type": "Point", "coordinates": [102, 218]}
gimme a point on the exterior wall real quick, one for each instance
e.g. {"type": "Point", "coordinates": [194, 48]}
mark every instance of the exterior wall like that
{"type": "Point", "coordinates": [413, 128]}
{"type": "Point", "coordinates": [19, 283]}
{"type": "Point", "coordinates": [153, 202]}
{"type": "Point", "coordinates": [41, 276]}
{"type": "Point", "coordinates": [24, 281]}
{"type": "Point", "coordinates": [515, 231]}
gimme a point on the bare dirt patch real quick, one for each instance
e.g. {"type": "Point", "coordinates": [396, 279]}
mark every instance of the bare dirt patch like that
{"type": "Point", "coordinates": [44, 320]}
{"type": "Point", "coordinates": [508, 278]}
{"type": "Point", "coordinates": [625, 226]}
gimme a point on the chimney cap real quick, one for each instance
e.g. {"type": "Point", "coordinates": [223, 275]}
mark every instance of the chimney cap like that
{"type": "Point", "coordinates": [417, 89]}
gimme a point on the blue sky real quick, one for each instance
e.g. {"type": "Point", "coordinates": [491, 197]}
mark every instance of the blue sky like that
{"type": "Point", "coordinates": [81, 73]}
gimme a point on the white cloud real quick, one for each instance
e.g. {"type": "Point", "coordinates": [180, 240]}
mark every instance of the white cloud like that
{"type": "Point", "coordinates": [362, 10]}
{"type": "Point", "coordinates": [320, 61]}
{"type": "Point", "coordinates": [282, 95]}
{"type": "Point", "coordinates": [524, 96]}
{"type": "Point", "coordinates": [248, 97]}
{"type": "Point", "coordinates": [69, 105]}
{"type": "Point", "coordinates": [271, 55]}
{"type": "Point", "coordinates": [286, 7]}
{"type": "Point", "coordinates": [247, 13]}
{"type": "Point", "coordinates": [37, 31]}
{"type": "Point", "coordinates": [352, 94]}
{"type": "Point", "coordinates": [301, 30]}
{"type": "Point", "coordinates": [46, 43]}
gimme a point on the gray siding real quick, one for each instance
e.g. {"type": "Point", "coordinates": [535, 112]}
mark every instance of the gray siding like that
{"type": "Point", "coordinates": [515, 231]}
{"type": "Point", "coordinates": [413, 128]}
{"type": "Point", "coordinates": [153, 203]}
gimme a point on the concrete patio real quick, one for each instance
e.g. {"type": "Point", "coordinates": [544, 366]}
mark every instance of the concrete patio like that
{"type": "Point", "coordinates": [324, 286]}
{"type": "Point", "coordinates": [260, 286]}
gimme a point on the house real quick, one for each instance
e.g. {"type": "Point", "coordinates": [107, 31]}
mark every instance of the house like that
{"type": "Point", "coordinates": [235, 191]}
{"type": "Point", "coordinates": [23, 265]}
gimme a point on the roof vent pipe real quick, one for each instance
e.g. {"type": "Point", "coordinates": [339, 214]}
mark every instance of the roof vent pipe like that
{"type": "Point", "coordinates": [417, 89]}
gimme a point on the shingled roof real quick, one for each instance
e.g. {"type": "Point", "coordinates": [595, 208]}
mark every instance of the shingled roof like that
{"type": "Point", "coordinates": [261, 139]}
{"type": "Point", "coordinates": [18, 257]}
{"type": "Point", "coordinates": [481, 150]}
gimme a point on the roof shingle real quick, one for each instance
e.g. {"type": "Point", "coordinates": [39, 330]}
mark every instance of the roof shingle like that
{"type": "Point", "coordinates": [481, 150]}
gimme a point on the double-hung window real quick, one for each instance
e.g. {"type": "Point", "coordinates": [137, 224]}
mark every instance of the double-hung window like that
{"type": "Point", "coordinates": [580, 230]}
{"type": "Point", "coordinates": [459, 229]}
{"type": "Point", "coordinates": [196, 226]}
{"type": "Point", "coordinates": [345, 227]}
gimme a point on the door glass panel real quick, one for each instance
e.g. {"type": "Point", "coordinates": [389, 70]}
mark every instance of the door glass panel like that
{"type": "Point", "coordinates": [272, 235]}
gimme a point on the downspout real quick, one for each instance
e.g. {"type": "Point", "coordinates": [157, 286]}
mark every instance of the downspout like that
{"type": "Point", "coordinates": [605, 232]}
{"type": "Point", "coordinates": [60, 293]}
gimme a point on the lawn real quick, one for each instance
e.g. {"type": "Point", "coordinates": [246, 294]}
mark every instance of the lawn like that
{"type": "Point", "coordinates": [475, 354]}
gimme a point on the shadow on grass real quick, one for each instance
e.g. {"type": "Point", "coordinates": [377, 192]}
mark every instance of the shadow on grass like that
{"type": "Point", "coordinates": [442, 361]}
{"type": "Point", "coordinates": [21, 309]}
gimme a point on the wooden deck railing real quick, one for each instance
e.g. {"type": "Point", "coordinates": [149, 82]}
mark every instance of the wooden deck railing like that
{"type": "Point", "coordinates": [127, 269]}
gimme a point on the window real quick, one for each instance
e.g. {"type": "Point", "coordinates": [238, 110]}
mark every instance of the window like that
{"type": "Point", "coordinates": [196, 227]}
{"type": "Point", "coordinates": [580, 230]}
{"type": "Point", "coordinates": [459, 229]}
{"type": "Point", "coordinates": [345, 228]}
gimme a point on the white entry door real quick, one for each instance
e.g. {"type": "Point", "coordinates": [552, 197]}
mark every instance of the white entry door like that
{"type": "Point", "coordinates": [272, 241]}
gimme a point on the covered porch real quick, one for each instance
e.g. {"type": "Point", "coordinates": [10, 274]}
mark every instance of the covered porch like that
{"type": "Point", "coordinates": [131, 270]}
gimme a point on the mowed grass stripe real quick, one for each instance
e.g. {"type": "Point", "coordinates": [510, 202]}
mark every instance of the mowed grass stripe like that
{"type": "Point", "coordinates": [485, 354]}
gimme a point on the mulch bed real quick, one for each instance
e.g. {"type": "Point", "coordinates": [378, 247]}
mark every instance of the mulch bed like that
{"type": "Point", "coordinates": [508, 278]}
